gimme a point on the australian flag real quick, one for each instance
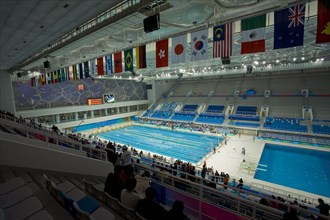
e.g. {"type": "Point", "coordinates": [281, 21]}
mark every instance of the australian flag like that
{"type": "Point", "coordinates": [289, 27]}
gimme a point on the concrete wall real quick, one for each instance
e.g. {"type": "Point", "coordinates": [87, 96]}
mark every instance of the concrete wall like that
{"type": "Point", "coordinates": [6, 92]}
{"type": "Point", "coordinates": [19, 151]}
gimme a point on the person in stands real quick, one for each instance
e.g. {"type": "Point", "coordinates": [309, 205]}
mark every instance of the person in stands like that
{"type": "Point", "coordinates": [129, 197]}
{"type": "Point", "coordinates": [149, 208]}
{"type": "Point", "coordinates": [323, 207]}
{"type": "Point", "coordinates": [240, 184]}
{"type": "Point", "coordinates": [125, 157]}
{"type": "Point", "coordinates": [176, 211]}
{"type": "Point", "coordinates": [116, 181]}
{"type": "Point", "coordinates": [143, 182]}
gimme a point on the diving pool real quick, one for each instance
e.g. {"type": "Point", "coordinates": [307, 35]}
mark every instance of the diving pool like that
{"type": "Point", "coordinates": [298, 168]}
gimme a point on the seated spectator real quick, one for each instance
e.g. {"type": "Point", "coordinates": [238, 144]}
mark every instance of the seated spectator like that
{"type": "Point", "coordinates": [176, 211]}
{"type": "Point", "coordinates": [149, 208]}
{"type": "Point", "coordinates": [290, 216]}
{"type": "Point", "coordinates": [240, 184]}
{"type": "Point", "coordinates": [143, 182]}
{"type": "Point", "coordinates": [323, 207]}
{"type": "Point", "coordinates": [116, 181]}
{"type": "Point", "coordinates": [129, 197]}
{"type": "Point", "coordinates": [125, 157]}
{"type": "Point", "coordinates": [263, 201]}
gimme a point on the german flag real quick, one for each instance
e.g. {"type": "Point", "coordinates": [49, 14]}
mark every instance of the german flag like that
{"type": "Point", "coordinates": [141, 57]}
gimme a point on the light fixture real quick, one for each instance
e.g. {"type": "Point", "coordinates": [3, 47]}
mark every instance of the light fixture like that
{"type": "Point", "coordinates": [256, 62]}
{"type": "Point", "coordinates": [294, 59]}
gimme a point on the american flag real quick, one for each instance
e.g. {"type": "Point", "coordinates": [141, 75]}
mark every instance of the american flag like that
{"type": "Point", "coordinates": [223, 48]}
{"type": "Point", "coordinates": [297, 14]}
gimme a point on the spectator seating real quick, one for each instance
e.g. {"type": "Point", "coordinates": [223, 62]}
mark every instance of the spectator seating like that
{"type": "Point", "coordinates": [245, 124]}
{"type": "Point", "coordinates": [10, 185]}
{"type": "Point", "coordinates": [285, 124]}
{"type": "Point", "coordinates": [210, 119]}
{"type": "Point", "coordinates": [321, 129]}
{"type": "Point", "coordinates": [180, 116]}
{"type": "Point", "coordinates": [161, 114]}
{"type": "Point", "coordinates": [215, 109]}
{"type": "Point", "coordinates": [246, 110]}
{"type": "Point", "coordinates": [189, 108]}
{"type": "Point", "coordinates": [244, 117]}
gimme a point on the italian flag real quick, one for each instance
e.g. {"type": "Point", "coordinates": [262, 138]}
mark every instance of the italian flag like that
{"type": "Point", "coordinates": [253, 34]}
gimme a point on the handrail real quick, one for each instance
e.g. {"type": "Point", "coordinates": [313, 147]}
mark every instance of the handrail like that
{"type": "Point", "coordinates": [47, 136]}
{"type": "Point", "coordinates": [236, 199]}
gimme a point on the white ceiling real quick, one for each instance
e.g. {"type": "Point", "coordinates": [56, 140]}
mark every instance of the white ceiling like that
{"type": "Point", "coordinates": [22, 37]}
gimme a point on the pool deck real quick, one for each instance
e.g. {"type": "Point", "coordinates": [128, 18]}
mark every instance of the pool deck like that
{"type": "Point", "coordinates": [228, 159]}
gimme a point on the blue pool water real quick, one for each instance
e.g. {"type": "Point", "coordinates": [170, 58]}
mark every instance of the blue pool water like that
{"type": "Point", "coordinates": [298, 168]}
{"type": "Point", "coordinates": [185, 146]}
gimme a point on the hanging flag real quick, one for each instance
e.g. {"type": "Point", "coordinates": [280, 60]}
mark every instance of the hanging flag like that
{"type": "Point", "coordinates": [128, 55]}
{"type": "Point", "coordinates": [33, 81]}
{"type": "Point", "coordinates": [80, 71]}
{"type": "Point", "coordinates": [140, 54]}
{"type": "Point", "coordinates": [49, 78]}
{"type": "Point", "coordinates": [199, 41]}
{"type": "Point", "coordinates": [118, 62]}
{"type": "Point", "coordinates": [92, 67]}
{"type": "Point", "coordinates": [55, 76]}
{"type": "Point", "coordinates": [100, 66]}
{"type": "Point", "coordinates": [162, 53]}
{"type": "Point", "coordinates": [52, 76]}
{"type": "Point", "coordinates": [68, 74]}
{"type": "Point", "coordinates": [63, 75]}
{"type": "Point", "coordinates": [40, 80]}
{"type": "Point", "coordinates": [253, 34]}
{"type": "Point", "coordinates": [74, 70]}
{"type": "Point", "coordinates": [223, 40]}
{"type": "Point", "coordinates": [323, 21]}
{"type": "Point", "coordinates": [86, 69]}
{"type": "Point", "coordinates": [179, 49]}
{"type": "Point", "coordinates": [59, 74]}
{"type": "Point", "coordinates": [108, 66]}
{"type": "Point", "coordinates": [289, 27]}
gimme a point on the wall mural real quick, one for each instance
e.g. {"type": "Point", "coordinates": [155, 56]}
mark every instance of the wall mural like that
{"type": "Point", "coordinates": [67, 93]}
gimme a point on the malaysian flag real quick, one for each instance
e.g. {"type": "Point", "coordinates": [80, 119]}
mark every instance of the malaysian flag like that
{"type": "Point", "coordinates": [223, 40]}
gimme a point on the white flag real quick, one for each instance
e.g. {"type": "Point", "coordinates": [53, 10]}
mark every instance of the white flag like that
{"type": "Point", "coordinates": [179, 49]}
{"type": "Point", "coordinates": [199, 41]}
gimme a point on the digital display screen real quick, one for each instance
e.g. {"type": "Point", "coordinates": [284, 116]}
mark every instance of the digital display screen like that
{"type": "Point", "coordinates": [94, 101]}
{"type": "Point", "coordinates": [108, 98]}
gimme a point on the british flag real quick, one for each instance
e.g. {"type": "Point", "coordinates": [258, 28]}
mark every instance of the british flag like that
{"type": "Point", "coordinates": [297, 15]}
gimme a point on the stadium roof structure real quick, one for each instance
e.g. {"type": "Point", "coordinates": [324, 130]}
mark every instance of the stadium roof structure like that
{"type": "Point", "coordinates": [67, 32]}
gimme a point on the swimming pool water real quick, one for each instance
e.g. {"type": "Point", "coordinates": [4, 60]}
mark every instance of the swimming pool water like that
{"type": "Point", "coordinates": [185, 146]}
{"type": "Point", "coordinates": [298, 168]}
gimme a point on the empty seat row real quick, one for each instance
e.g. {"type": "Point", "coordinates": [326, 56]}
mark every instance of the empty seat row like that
{"type": "Point", "coordinates": [18, 202]}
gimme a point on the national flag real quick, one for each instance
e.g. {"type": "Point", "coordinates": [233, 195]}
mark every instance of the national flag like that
{"type": "Point", "coordinates": [40, 80]}
{"type": "Point", "coordinates": [63, 74]}
{"type": "Point", "coordinates": [68, 74]}
{"type": "Point", "coordinates": [223, 40]}
{"type": "Point", "coordinates": [36, 81]}
{"type": "Point", "coordinates": [55, 76]}
{"type": "Point", "coordinates": [74, 70]}
{"type": "Point", "coordinates": [323, 21]}
{"type": "Point", "coordinates": [128, 56]}
{"type": "Point", "coordinates": [140, 54]}
{"type": "Point", "coordinates": [118, 62]}
{"type": "Point", "coordinates": [253, 34]}
{"type": "Point", "coordinates": [49, 78]}
{"type": "Point", "coordinates": [162, 53]}
{"type": "Point", "coordinates": [33, 81]}
{"type": "Point", "coordinates": [100, 66]}
{"type": "Point", "coordinates": [59, 76]}
{"type": "Point", "coordinates": [86, 69]}
{"type": "Point", "coordinates": [179, 49]}
{"type": "Point", "coordinates": [52, 76]}
{"type": "Point", "coordinates": [108, 64]}
{"type": "Point", "coordinates": [81, 71]}
{"type": "Point", "coordinates": [92, 67]}
{"type": "Point", "coordinates": [199, 41]}
{"type": "Point", "coordinates": [289, 27]}
{"type": "Point", "coordinates": [43, 78]}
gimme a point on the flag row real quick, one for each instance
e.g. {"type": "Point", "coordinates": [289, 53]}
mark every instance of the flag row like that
{"type": "Point", "coordinates": [288, 32]}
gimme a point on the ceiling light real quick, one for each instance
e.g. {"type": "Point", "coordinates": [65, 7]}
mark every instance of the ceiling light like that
{"type": "Point", "coordinates": [277, 61]}
{"type": "Point", "coordinates": [294, 59]}
{"type": "Point", "coordinates": [256, 62]}
{"type": "Point", "coordinates": [322, 59]}
{"type": "Point", "coordinates": [264, 62]}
